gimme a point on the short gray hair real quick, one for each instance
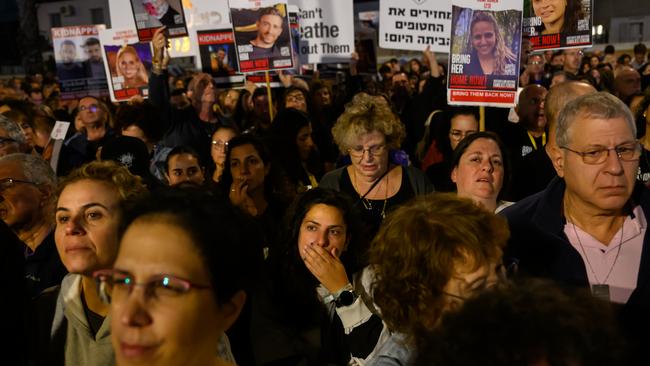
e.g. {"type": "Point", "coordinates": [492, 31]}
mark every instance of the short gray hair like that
{"type": "Point", "coordinates": [601, 105]}
{"type": "Point", "coordinates": [12, 129]}
{"type": "Point", "coordinates": [36, 169]}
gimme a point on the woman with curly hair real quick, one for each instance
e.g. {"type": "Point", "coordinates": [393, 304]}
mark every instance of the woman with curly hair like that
{"type": "Point", "coordinates": [368, 131]}
{"type": "Point", "coordinates": [70, 323]}
{"type": "Point", "coordinates": [129, 66]}
{"type": "Point", "coordinates": [489, 53]}
{"type": "Point", "coordinates": [429, 256]}
{"type": "Point", "coordinates": [558, 16]}
{"type": "Point", "coordinates": [312, 309]}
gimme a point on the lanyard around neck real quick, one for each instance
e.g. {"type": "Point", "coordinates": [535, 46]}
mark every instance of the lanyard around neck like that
{"type": "Point", "coordinates": [532, 139]}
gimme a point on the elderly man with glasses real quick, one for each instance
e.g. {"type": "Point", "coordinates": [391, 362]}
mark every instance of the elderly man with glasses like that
{"type": "Point", "coordinates": [27, 185]}
{"type": "Point", "coordinates": [588, 227]}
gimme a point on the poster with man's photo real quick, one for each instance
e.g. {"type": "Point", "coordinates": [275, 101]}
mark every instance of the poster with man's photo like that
{"type": "Point", "coordinates": [150, 15]}
{"type": "Point", "coordinates": [484, 55]}
{"type": "Point", "coordinates": [556, 24]}
{"type": "Point", "coordinates": [262, 34]}
{"type": "Point", "coordinates": [128, 62]}
{"type": "Point", "coordinates": [218, 56]}
{"type": "Point", "coordinates": [79, 63]}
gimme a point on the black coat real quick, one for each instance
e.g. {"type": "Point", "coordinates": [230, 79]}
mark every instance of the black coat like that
{"type": "Point", "coordinates": [541, 249]}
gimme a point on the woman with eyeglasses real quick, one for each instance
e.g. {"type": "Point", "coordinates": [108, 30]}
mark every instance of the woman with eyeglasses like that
{"type": "Point", "coordinates": [429, 256]}
{"type": "Point", "coordinates": [453, 125]}
{"type": "Point", "coordinates": [180, 279]}
{"type": "Point", "coordinates": [378, 180]}
{"type": "Point", "coordinates": [220, 140]}
{"type": "Point", "coordinates": [70, 324]}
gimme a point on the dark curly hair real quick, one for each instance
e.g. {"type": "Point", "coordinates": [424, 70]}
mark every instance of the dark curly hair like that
{"type": "Point", "coordinates": [291, 278]}
{"type": "Point", "coordinates": [419, 248]}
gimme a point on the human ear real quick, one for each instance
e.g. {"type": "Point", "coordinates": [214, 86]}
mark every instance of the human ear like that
{"type": "Point", "coordinates": [557, 157]}
{"type": "Point", "coordinates": [454, 174]}
{"type": "Point", "coordinates": [230, 311]}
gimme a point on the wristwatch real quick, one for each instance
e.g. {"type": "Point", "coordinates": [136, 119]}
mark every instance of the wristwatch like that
{"type": "Point", "coordinates": [345, 296]}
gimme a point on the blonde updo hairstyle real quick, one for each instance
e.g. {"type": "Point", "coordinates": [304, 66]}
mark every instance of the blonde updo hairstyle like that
{"type": "Point", "coordinates": [365, 114]}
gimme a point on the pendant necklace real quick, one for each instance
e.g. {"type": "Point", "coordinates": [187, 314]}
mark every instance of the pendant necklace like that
{"type": "Point", "coordinates": [600, 289]}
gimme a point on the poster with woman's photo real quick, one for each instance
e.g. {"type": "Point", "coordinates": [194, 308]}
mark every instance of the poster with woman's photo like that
{"type": "Point", "coordinates": [128, 62]}
{"type": "Point", "coordinates": [556, 24]}
{"type": "Point", "coordinates": [150, 15]}
{"type": "Point", "coordinates": [262, 34]}
{"type": "Point", "coordinates": [79, 64]}
{"type": "Point", "coordinates": [484, 55]}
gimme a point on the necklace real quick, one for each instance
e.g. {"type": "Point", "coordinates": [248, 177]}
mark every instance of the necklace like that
{"type": "Point", "coordinates": [600, 289]}
{"type": "Point", "coordinates": [367, 204]}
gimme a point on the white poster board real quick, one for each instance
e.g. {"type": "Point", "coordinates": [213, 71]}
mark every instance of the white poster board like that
{"type": "Point", "coordinates": [262, 34]}
{"type": "Point", "coordinates": [127, 62]}
{"type": "Point", "coordinates": [484, 55]}
{"type": "Point", "coordinates": [79, 64]}
{"type": "Point", "coordinates": [326, 30]}
{"type": "Point", "coordinates": [415, 24]}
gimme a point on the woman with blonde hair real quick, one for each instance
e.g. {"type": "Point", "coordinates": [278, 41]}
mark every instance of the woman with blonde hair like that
{"type": "Point", "coordinates": [489, 53]}
{"type": "Point", "coordinates": [129, 66]}
{"type": "Point", "coordinates": [378, 180]}
{"type": "Point", "coordinates": [70, 323]}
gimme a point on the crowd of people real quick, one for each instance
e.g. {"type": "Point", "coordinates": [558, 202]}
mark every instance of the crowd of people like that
{"type": "Point", "coordinates": [362, 222]}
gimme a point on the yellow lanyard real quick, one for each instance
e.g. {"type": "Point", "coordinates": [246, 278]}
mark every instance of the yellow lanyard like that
{"type": "Point", "coordinates": [532, 140]}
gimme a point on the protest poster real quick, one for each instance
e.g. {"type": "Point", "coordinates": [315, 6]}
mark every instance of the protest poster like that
{"type": "Point", "coordinates": [150, 15]}
{"type": "Point", "coordinates": [326, 30]}
{"type": "Point", "coordinates": [259, 79]}
{"type": "Point", "coordinates": [484, 56]}
{"type": "Point", "coordinates": [55, 143]}
{"type": "Point", "coordinates": [415, 24]}
{"type": "Point", "coordinates": [79, 63]}
{"type": "Point", "coordinates": [556, 24]}
{"type": "Point", "coordinates": [262, 34]}
{"type": "Point", "coordinates": [127, 62]}
{"type": "Point", "coordinates": [365, 41]}
{"type": "Point", "coordinates": [218, 56]}
{"type": "Point", "coordinates": [206, 12]}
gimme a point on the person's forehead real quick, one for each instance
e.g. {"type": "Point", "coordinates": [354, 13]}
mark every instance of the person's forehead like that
{"type": "Point", "coordinates": [11, 169]}
{"type": "Point", "coordinates": [271, 18]}
{"type": "Point", "coordinates": [88, 101]}
{"type": "Point", "coordinates": [593, 130]}
{"type": "Point", "coordinates": [184, 160]}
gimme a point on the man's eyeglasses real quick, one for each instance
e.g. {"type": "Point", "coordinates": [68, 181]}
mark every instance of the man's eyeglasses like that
{"type": "Point", "coordinates": [458, 135]}
{"type": "Point", "coordinates": [295, 98]}
{"type": "Point", "coordinates": [91, 108]}
{"type": "Point", "coordinates": [358, 151]}
{"type": "Point", "coordinates": [626, 152]}
{"type": "Point", "coordinates": [115, 286]}
{"type": "Point", "coordinates": [6, 141]}
{"type": "Point", "coordinates": [220, 145]}
{"type": "Point", "coordinates": [7, 183]}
